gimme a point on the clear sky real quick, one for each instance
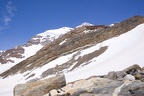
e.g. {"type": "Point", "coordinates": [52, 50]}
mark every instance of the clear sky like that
{"type": "Point", "coordinates": [22, 19]}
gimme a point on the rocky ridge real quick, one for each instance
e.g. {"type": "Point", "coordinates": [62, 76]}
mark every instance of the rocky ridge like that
{"type": "Point", "coordinates": [128, 82]}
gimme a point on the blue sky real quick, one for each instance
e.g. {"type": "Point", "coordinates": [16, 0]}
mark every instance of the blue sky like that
{"type": "Point", "coordinates": [22, 19]}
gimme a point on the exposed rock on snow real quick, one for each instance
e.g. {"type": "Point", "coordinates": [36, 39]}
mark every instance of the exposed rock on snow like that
{"type": "Point", "coordinates": [40, 88]}
{"type": "Point", "coordinates": [103, 86]}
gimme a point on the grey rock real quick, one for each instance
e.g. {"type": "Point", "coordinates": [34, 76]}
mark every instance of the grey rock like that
{"type": "Point", "coordinates": [112, 75]}
{"type": "Point", "coordinates": [134, 89]}
{"type": "Point", "coordinates": [98, 89]}
{"type": "Point", "coordinates": [121, 74]}
{"type": "Point", "coordinates": [142, 72]}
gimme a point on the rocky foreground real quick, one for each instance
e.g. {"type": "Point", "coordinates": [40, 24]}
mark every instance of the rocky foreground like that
{"type": "Point", "coordinates": [128, 82]}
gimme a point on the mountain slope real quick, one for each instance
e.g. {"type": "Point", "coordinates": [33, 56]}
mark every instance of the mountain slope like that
{"type": "Point", "coordinates": [15, 55]}
{"type": "Point", "coordinates": [81, 53]}
{"type": "Point", "coordinates": [76, 40]}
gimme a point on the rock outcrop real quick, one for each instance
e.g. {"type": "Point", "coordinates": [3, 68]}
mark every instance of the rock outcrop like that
{"type": "Point", "coordinates": [41, 87]}
{"type": "Point", "coordinates": [120, 83]}
{"type": "Point", "coordinates": [5, 56]}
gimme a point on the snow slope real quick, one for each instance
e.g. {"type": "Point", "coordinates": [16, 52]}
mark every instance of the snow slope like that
{"type": "Point", "coordinates": [123, 51]}
{"type": "Point", "coordinates": [29, 51]}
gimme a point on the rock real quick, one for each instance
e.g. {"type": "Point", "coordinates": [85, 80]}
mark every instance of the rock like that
{"type": "Point", "coordinates": [132, 69]}
{"type": "Point", "coordinates": [112, 75]}
{"type": "Point", "coordinates": [134, 89]}
{"type": "Point", "coordinates": [40, 88]}
{"type": "Point", "coordinates": [129, 77]}
{"type": "Point", "coordinates": [87, 94]}
{"type": "Point", "coordinates": [121, 74]}
{"type": "Point", "coordinates": [142, 68]}
{"type": "Point", "coordinates": [138, 76]}
{"type": "Point", "coordinates": [142, 72]}
{"type": "Point", "coordinates": [95, 86]}
{"type": "Point", "coordinates": [82, 84]}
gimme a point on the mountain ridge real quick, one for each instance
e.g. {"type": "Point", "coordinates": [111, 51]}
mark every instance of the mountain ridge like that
{"type": "Point", "coordinates": [51, 48]}
{"type": "Point", "coordinates": [82, 53]}
{"type": "Point", "coordinates": [13, 56]}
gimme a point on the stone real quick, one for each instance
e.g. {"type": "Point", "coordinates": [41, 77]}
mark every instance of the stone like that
{"type": "Point", "coordinates": [138, 76]}
{"type": "Point", "coordinates": [112, 75]}
{"type": "Point", "coordinates": [121, 74]}
{"type": "Point", "coordinates": [40, 88]}
{"type": "Point", "coordinates": [98, 87]}
{"type": "Point", "coordinates": [132, 69]}
{"type": "Point", "coordinates": [134, 89]}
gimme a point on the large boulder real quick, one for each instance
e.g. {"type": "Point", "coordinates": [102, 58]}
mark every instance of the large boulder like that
{"type": "Point", "coordinates": [40, 88]}
{"type": "Point", "coordinates": [136, 88]}
{"type": "Point", "coordinates": [95, 86]}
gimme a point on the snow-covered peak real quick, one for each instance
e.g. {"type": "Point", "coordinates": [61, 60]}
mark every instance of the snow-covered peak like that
{"type": "Point", "coordinates": [55, 32]}
{"type": "Point", "coordinates": [111, 25]}
{"type": "Point", "coordinates": [84, 24]}
{"type": "Point", "coordinates": [50, 35]}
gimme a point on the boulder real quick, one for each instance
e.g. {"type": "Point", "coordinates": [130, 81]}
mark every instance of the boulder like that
{"type": "Point", "coordinates": [121, 74]}
{"type": "Point", "coordinates": [132, 69]}
{"type": "Point", "coordinates": [112, 75]}
{"type": "Point", "coordinates": [138, 76]}
{"type": "Point", "coordinates": [134, 89]}
{"type": "Point", "coordinates": [41, 87]}
{"type": "Point", "coordinates": [95, 86]}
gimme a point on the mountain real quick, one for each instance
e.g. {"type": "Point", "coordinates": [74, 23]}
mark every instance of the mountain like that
{"type": "Point", "coordinates": [80, 53]}
{"type": "Point", "coordinates": [85, 24]}
{"type": "Point", "coordinates": [15, 55]}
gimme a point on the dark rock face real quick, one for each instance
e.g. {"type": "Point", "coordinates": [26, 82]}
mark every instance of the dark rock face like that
{"type": "Point", "coordinates": [132, 69]}
{"type": "Point", "coordinates": [38, 39]}
{"type": "Point", "coordinates": [18, 51]}
{"type": "Point", "coordinates": [33, 41]}
{"type": "Point", "coordinates": [15, 52]}
{"type": "Point", "coordinates": [39, 88]}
